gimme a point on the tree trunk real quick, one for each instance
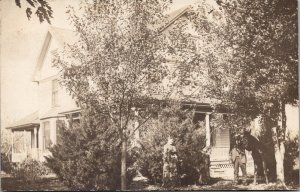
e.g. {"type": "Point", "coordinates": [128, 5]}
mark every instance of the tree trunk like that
{"type": "Point", "coordinates": [279, 155]}
{"type": "Point", "coordinates": [278, 127]}
{"type": "Point", "coordinates": [123, 164]}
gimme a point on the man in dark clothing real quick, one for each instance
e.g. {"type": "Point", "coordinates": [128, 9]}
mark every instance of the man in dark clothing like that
{"type": "Point", "coordinates": [238, 158]}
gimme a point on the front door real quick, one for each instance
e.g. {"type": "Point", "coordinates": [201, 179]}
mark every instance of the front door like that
{"type": "Point", "coordinates": [222, 138]}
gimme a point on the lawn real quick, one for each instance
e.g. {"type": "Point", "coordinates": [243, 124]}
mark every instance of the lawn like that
{"type": "Point", "coordinates": [221, 184]}
{"type": "Point", "coordinates": [53, 184]}
{"type": "Point", "coordinates": [49, 184]}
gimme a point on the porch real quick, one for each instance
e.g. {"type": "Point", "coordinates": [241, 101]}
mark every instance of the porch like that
{"type": "Point", "coordinates": [24, 139]}
{"type": "Point", "coordinates": [218, 139]}
{"type": "Point", "coordinates": [25, 144]}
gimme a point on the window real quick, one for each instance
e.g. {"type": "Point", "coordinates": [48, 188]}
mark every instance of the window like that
{"type": "Point", "coordinates": [18, 142]}
{"type": "Point", "coordinates": [47, 140]}
{"type": "Point", "coordinates": [74, 117]}
{"type": "Point", "coordinates": [55, 87]}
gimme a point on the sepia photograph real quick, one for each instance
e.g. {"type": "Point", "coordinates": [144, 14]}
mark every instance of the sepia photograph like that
{"type": "Point", "coordinates": [149, 95]}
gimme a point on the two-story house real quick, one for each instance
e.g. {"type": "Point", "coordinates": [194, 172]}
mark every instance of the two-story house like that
{"type": "Point", "coordinates": [33, 135]}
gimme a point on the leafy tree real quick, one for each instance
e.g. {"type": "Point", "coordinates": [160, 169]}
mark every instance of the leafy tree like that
{"type": "Point", "coordinates": [259, 75]}
{"type": "Point", "coordinates": [122, 58]}
{"type": "Point", "coordinates": [43, 9]}
{"type": "Point", "coordinates": [114, 63]}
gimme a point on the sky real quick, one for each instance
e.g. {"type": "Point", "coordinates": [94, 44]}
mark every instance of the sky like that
{"type": "Point", "coordinates": [21, 43]}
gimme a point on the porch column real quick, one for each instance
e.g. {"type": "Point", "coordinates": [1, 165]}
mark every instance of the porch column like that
{"type": "Point", "coordinates": [24, 141]}
{"type": "Point", "coordinates": [207, 130]}
{"type": "Point", "coordinates": [12, 141]}
{"type": "Point", "coordinates": [35, 137]}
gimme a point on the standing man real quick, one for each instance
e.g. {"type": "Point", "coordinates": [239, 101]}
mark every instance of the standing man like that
{"type": "Point", "coordinates": [238, 158]}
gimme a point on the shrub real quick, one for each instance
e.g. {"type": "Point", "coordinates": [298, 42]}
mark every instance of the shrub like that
{"type": "Point", "coordinates": [88, 156]}
{"type": "Point", "coordinates": [6, 164]}
{"type": "Point", "coordinates": [29, 170]}
{"type": "Point", "coordinates": [6, 149]}
{"type": "Point", "coordinates": [291, 154]}
{"type": "Point", "coordinates": [188, 139]}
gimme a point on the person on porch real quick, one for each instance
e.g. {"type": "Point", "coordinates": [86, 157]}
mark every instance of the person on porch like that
{"type": "Point", "coordinates": [238, 159]}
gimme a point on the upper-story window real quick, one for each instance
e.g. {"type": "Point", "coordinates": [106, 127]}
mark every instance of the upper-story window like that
{"type": "Point", "coordinates": [55, 87]}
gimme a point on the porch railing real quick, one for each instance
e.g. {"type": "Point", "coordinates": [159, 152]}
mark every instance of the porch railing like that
{"type": "Point", "coordinates": [31, 153]}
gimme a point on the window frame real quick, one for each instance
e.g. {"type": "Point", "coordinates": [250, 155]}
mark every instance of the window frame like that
{"type": "Point", "coordinates": [46, 146]}
{"type": "Point", "coordinates": [55, 92]}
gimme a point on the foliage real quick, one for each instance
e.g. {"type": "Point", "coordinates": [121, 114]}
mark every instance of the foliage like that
{"type": "Point", "coordinates": [123, 57]}
{"type": "Point", "coordinates": [87, 155]}
{"type": "Point", "coordinates": [259, 75]}
{"type": "Point", "coordinates": [29, 170]}
{"type": "Point", "coordinates": [291, 155]}
{"type": "Point", "coordinates": [43, 9]}
{"type": "Point", "coordinates": [260, 69]}
{"type": "Point", "coordinates": [188, 139]}
{"type": "Point", "coordinates": [6, 164]}
{"type": "Point", "coordinates": [263, 65]}
{"type": "Point", "coordinates": [237, 123]}
{"type": "Point", "coordinates": [120, 62]}
{"type": "Point", "coordinates": [6, 150]}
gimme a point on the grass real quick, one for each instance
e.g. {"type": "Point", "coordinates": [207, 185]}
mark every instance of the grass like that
{"type": "Point", "coordinates": [53, 184]}
{"type": "Point", "coordinates": [44, 184]}
{"type": "Point", "coordinates": [220, 184]}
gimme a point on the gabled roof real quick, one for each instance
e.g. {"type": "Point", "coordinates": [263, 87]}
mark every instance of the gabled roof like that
{"type": "Point", "coordinates": [63, 36]}
{"type": "Point", "coordinates": [66, 36]}
{"type": "Point", "coordinates": [31, 120]}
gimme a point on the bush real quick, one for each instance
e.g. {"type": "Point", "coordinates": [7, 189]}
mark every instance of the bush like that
{"type": "Point", "coordinates": [29, 170]}
{"type": "Point", "coordinates": [291, 154]}
{"type": "Point", "coordinates": [88, 156]}
{"type": "Point", "coordinates": [188, 139]}
{"type": "Point", "coordinates": [6, 164]}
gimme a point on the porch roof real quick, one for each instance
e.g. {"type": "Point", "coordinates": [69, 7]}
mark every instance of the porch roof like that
{"type": "Point", "coordinates": [29, 121]}
{"type": "Point", "coordinates": [52, 113]}
{"type": "Point", "coordinates": [66, 111]}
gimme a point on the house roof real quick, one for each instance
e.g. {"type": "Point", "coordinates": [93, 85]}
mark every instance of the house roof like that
{"type": "Point", "coordinates": [63, 36]}
{"type": "Point", "coordinates": [29, 121]}
{"type": "Point", "coordinates": [67, 36]}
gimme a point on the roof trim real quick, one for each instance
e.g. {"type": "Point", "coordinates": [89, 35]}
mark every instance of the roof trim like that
{"type": "Point", "coordinates": [52, 116]}
{"type": "Point", "coordinates": [52, 33]}
{"type": "Point", "coordinates": [29, 125]}
{"type": "Point", "coordinates": [70, 111]}
{"type": "Point", "coordinates": [42, 55]}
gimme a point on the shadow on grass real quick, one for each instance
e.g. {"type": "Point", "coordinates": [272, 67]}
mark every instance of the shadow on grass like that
{"type": "Point", "coordinates": [51, 184]}
{"type": "Point", "coordinates": [219, 184]}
